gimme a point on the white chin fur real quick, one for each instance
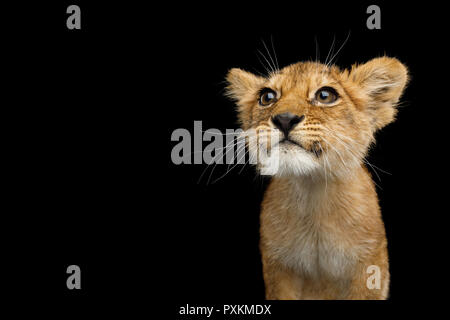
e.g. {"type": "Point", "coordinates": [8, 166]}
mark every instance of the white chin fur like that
{"type": "Point", "coordinates": [287, 160]}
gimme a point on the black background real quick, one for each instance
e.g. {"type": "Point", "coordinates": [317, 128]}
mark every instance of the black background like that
{"type": "Point", "coordinates": [88, 130]}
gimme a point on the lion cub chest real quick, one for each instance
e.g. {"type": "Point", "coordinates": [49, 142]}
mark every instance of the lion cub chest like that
{"type": "Point", "coordinates": [310, 244]}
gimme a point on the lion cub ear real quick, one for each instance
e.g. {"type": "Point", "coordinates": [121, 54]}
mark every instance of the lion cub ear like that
{"type": "Point", "coordinates": [242, 85]}
{"type": "Point", "coordinates": [382, 81]}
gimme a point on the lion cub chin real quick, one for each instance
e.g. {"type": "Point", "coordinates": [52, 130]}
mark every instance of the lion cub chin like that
{"type": "Point", "coordinates": [322, 235]}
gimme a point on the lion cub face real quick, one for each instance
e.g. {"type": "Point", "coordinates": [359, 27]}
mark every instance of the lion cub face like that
{"type": "Point", "coordinates": [319, 118]}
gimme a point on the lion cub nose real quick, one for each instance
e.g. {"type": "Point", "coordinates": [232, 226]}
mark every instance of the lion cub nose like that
{"type": "Point", "coordinates": [286, 121]}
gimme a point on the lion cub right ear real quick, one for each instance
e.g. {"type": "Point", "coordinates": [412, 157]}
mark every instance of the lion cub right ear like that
{"type": "Point", "coordinates": [242, 86]}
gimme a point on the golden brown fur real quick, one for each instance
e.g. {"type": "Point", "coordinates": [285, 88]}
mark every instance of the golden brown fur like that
{"type": "Point", "coordinates": [321, 225]}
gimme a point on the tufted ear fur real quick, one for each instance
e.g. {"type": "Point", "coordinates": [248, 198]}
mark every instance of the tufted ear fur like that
{"type": "Point", "coordinates": [382, 81]}
{"type": "Point", "coordinates": [242, 83]}
{"type": "Point", "coordinates": [242, 88]}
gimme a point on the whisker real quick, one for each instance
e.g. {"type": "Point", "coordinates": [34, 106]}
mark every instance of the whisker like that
{"type": "Point", "coordinates": [339, 155]}
{"type": "Point", "coordinates": [213, 160]}
{"type": "Point", "coordinates": [262, 63]}
{"type": "Point", "coordinates": [274, 53]}
{"type": "Point", "coordinates": [212, 171]}
{"type": "Point", "coordinates": [247, 150]}
{"type": "Point", "coordinates": [360, 157]}
{"type": "Point", "coordinates": [317, 50]}
{"type": "Point", "coordinates": [270, 57]}
{"type": "Point", "coordinates": [330, 51]}
{"type": "Point", "coordinates": [343, 44]}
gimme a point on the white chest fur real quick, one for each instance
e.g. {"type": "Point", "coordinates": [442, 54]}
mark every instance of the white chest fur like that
{"type": "Point", "coordinates": [307, 240]}
{"type": "Point", "coordinates": [315, 252]}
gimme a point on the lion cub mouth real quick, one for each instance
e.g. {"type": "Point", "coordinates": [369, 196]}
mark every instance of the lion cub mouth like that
{"type": "Point", "coordinates": [292, 142]}
{"type": "Point", "coordinates": [314, 149]}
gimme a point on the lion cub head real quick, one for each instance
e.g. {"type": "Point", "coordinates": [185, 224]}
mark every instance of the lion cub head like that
{"type": "Point", "coordinates": [320, 118]}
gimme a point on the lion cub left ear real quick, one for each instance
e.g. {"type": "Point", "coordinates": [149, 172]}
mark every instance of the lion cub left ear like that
{"type": "Point", "coordinates": [382, 81]}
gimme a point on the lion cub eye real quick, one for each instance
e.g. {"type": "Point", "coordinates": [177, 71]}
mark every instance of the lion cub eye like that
{"type": "Point", "coordinates": [326, 95]}
{"type": "Point", "coordinates": [267, 96]}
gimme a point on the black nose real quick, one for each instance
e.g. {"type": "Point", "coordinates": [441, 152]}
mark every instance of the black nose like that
{"type": "Point", "coordinates": [286, 121]}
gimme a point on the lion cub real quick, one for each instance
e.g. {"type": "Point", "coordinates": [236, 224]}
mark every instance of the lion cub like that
{"type": "Point", "coordinates": [321, 226]}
